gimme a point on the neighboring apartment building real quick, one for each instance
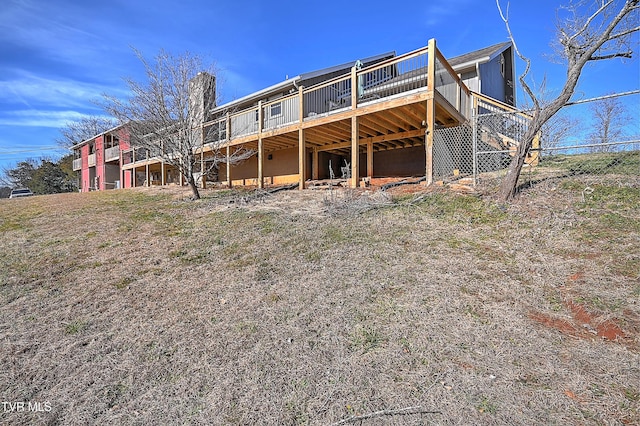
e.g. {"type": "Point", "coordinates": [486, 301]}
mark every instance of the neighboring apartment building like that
{"type": "Point", "coordinates": [99, 161]}
{"type": "Point", "coordinates": [302, 126]}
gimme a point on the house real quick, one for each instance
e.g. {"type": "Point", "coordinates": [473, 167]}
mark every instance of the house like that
{"type": "Point", "coordinates": [99, 162]}
{"type": "Point", "coordinates": [374, 117]}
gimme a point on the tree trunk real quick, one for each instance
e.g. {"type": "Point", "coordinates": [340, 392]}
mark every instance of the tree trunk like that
{"type": "Point", "coordinates": [509, 185]}
{"type": "Point", "coordinates": [194, 187]}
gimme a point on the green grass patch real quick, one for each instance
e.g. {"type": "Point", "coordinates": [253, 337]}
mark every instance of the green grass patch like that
{"type": "Point", "coordinates": [76, 327]}
{"type": "Point", "coordinates": [366, 338]}
{"type": "Point", "coordinates": [627, 162]}
{"type": "Point", "coordinates": [462, 209]}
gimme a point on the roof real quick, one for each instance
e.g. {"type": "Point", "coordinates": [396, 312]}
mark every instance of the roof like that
{"type": "Point", "coordinates": [347, 65]}
{"type": "Point", "coordinates": [113, 129]}
{"type": "Point", "coordinates": [478, 56]}
{"type": "Point", "coordinates": [293, 82]}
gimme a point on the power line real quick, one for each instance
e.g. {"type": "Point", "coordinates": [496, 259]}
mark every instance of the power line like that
{"type": "Point", "coordinates": [599, 98]}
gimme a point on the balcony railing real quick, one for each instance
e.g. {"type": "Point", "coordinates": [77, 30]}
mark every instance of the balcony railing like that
{"type": "Point", "coordinates": [281, 112]}
{"type": "Point", "coordinates": [400, 75]}
{"type": "Point", "coordinates": [91, 160]}
{"type": "Point", "coordinates": [77, 164]}
{"type": "Point", "coordinates": [393, 78]}
{"type": "Point", "coordinates": [215, 131]}
{"type": "Point", "coordinates": [111, 154]}
{"type": "Point", "coordinates": [330, 96]}
{"type": "Point", "coordinates": [245, 122]}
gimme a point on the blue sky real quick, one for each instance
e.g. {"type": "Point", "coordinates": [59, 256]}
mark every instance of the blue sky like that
{"type": "Point", "coordinates": [58, 56]}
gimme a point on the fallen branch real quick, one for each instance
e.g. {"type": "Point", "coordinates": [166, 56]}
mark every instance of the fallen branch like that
{"type": "Point", "coordinates": [402, 182]}
{"type": "Point", "coordinates": [399, 412]}
{"type": "Point", "coordinates": [283, 188]}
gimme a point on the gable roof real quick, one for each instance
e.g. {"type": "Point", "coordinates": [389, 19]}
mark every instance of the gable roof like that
{"type": "Point", "coordinates": [302, 78]}
{"type": "Point", "coordinates": [480, 56]}
{"type": "Point", "coordinates": [113, 129]}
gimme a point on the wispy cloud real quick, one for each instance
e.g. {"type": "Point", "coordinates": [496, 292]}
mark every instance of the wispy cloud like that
{"type": "Point", "coordinates": [436, 13]}
{"type": "Point", "coordinates": [40, 118]}
{"type": "Point", "coordinates": [32, 90]}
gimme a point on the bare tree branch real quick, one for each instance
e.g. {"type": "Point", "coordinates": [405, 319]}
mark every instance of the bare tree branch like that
{"type": "Point", "coordinates": [624, 33]}
{"type": "Point", "coordinates": [628, 54]}
{"type": "Point", "coordinates": [83, 129]}
{"type": "Point", "coordinates": [590, 20]}
{"type": "Point", "coordinates": [401, 411]}
{"type": "Point", "coordinates": [165, 114]}
{"type": "Point", "coordinates": [581, 40]}
{"type": "Point", "coordinates": [527, 61]}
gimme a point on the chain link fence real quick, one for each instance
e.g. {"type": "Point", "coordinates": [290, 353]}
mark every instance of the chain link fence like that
{"type": "Point", "coordinates": [480, 151]}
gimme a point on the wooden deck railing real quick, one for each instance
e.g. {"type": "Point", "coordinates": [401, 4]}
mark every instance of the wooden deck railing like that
{"type": "Point", "coordinates": [77, 164]}
{"type": "Point", "coordinates": [111, 154]}
{"type": "Point", "coordinates": [394, 77]}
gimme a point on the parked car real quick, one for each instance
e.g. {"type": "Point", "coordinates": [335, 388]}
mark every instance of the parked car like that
{"type": "Point", "coordinates": [22, 192]}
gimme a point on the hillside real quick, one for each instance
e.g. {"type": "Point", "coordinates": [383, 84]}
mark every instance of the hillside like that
{"type": "Point", "coordinates": [140, 307]}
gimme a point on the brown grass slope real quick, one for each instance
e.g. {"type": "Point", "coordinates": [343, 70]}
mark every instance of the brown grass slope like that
{"type": "Point", "coordinates": [137, 307]}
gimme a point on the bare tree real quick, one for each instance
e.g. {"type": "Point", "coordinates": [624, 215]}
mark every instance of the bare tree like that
{"type": "Point", "coordinates": [610, 116]}
{"type": "Point", "coordinates": [593, 30]}
{"type": "Point", "coordinates": [165, 114]}
{"type": "Point", "coordinates": [556, 131]}
{"type": "Point", "coordinates": [78, 131]}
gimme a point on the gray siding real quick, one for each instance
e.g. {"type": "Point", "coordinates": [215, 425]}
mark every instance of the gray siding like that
{"type": "Point", "coordinates": [493, 82]}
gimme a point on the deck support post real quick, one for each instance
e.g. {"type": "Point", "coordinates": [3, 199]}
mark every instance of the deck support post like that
{"type": "Point", "coordinates": [228, 138]}
{"type": "Point", "coordinates": [302, 148]}
{"type": "Point", "coordinates": [315, 173]}
{"type": "Point", "coordinates": [203, 175]}
{"type": "Point", "coordinates": [228, 166]}
{"type": "Point", "coordinates": [302, 158]}
{"type": "Point", "coordinates": [370, 159]}
{"type": "Point", "coordinates": [431, 111]}
{"type": "Point", "coordinates": [146, 173]}
{"type": "Point", "coordinates": [355, 149]}
{"type": "Point", "coordinates": [133, 178]}
{"type": "Point", "coordinates": [355, 153]}
{"type": "Point", "coordinates": [162, 168]}
{"type": "Point", "coordinates": [260, 163]}
{"type": "Point", "coordinates": [260, 148]}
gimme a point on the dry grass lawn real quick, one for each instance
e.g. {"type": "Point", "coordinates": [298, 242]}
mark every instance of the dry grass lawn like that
{"type": "Point", "coordinates": [140, 307]}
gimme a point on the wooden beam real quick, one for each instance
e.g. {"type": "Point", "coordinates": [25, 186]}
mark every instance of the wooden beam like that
{"type": "Point", "coordinates": [370, 159]}
{"type": "Point", "coordinates": [302, 158]}
{"type": "Point", "coordinates": [229, 166]}
{"type": "Point", "coordinates": [302, 149]}
{"type": "Point", "coordinates": [431, 112]}
{"type": "Point", "coordinates": [371, 122]}
{"type": "Point", "coordinates": [260, 163]}
{"type": "Point", "coordinates": [355, 150]}
{"type": "Point", "coordinates": [407, 121]}
{"type": "Point", "coordinates": [375, 139]}
{"type": "Point", "coordinates": [260, 148]}
{"type": "Point", "coordinates": [314, 165]}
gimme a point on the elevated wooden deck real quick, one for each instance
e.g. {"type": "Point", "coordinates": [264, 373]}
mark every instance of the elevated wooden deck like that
{"type": "Point", "coordinates": [391, 105]}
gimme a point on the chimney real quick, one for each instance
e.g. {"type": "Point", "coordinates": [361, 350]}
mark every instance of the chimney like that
{"type": "Point", "coordinates": [202, 96]}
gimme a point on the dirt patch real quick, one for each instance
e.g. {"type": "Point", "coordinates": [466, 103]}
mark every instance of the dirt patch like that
{"type": "Point", "coordinates": [584, 324]}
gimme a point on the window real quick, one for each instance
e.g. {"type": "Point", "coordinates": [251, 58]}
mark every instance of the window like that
{"type": "Point", "coordinates": [276, 109]}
